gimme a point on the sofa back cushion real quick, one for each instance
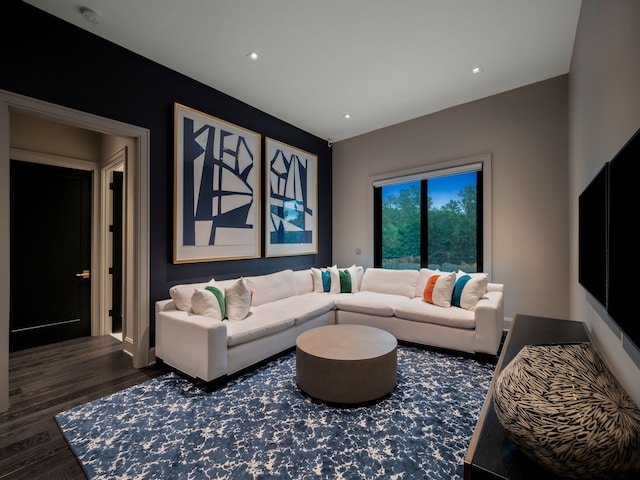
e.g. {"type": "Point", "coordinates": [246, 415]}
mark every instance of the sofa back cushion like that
{"type": "Point", "coordinates": [304, 281]}
{"type": "Point", "coordinates": [271, 287]}
{"type": "Point", "coordinates": [397, 282]}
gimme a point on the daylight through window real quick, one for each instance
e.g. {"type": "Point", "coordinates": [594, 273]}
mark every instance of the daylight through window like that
{"type": "Point", "coordinates": [432, 219]}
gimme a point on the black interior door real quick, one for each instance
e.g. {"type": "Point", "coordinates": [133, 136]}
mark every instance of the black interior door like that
{"type": "Point", "coordinates": [50, 254]}
{"type": "Point", "coordinates": [116, 254]}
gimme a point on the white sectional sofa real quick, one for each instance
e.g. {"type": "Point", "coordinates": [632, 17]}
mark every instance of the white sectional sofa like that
{"type": "Point", "coordinates": [264, 314]}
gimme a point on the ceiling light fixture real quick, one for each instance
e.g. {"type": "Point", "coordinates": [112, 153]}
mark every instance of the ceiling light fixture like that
{"type": "Point", "coordinates": [90, 15]}
{"type": "Point", "coordinates": [253, 55]}
{"type": "Point", "coordinates": [347, 116]}
{"type": "Point", "coordinates": [476, 70]}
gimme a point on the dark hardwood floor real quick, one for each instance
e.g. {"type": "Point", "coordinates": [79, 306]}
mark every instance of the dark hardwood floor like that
{"type": "Point", "coordinates": [46, 380]}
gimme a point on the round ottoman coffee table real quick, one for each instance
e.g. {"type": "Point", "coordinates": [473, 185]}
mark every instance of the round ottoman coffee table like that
{"type": "Point", "coordinates": [346, 364]}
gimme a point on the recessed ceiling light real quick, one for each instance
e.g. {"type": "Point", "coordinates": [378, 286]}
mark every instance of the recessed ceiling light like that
{"type": "Point", "coordinates": [475, 70]}
{"type": "Point", "coordinates": [90, 15]}
{"type": "Point", "coordinates": [253, 55]}
{"type": "Point", "coordinates": [347, 115]}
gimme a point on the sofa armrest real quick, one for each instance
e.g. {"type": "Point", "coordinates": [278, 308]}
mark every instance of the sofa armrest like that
{"type": "Point", "coordinates": [162, 305]}
{"type": "Point", "coordinates": [489, 322]}
{"type": "Point", "coordinates": [194, 344]}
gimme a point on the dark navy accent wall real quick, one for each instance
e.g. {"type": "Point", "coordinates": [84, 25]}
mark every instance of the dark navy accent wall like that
{"type": "Point", "coordinates": [51, 60]}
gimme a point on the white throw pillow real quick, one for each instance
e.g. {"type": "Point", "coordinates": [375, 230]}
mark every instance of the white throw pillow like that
{"type": "Point", "coordinates": [334, 274]}
{"type": "Point", "coordinates": [238, 300]}
{"type": "Point", "coordinates": [439, 289]}
{"type": "Point", "coordinates": [209, 301]}
{"type": "Point", "coordinates": [181, 294]}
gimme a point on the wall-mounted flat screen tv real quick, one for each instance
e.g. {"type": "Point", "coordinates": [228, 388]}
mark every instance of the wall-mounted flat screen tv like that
{"type": "Point", "coordinates": [607, 243]}
{"type": "Point", "coordinates": [623, 222]}
{"type": "Point", "coordinates": [592, 234]}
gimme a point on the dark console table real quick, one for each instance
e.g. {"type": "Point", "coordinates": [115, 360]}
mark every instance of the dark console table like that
{"type": "Point", "coordinates": [491, 455]}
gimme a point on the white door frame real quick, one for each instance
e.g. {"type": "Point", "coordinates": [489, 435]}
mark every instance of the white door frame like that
{"type": "Point", "coordinates": [136, 301]}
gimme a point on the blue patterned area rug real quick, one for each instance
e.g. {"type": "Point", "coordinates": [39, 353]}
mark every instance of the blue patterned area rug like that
{"type": "Point", "coordinates": [261, 426]}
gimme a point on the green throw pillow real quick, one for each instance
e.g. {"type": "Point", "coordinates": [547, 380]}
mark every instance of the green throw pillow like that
{"type": "Point", "coordinates": [345, 281]}
{"type": "Point", "coordinates": [220, 297]}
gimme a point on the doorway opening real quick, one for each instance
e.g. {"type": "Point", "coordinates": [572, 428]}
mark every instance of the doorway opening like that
{"type": "Point", "coordinates": [135, 301]}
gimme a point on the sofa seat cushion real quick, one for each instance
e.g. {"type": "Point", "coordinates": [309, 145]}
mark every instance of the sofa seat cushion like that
{"type": "Point", "coordinates": [418, 310]}
{"type": "Point", "coordinates": [260, 322]}
{"type": "Point", "coordinates": [305, 307]}
{"type": "Point", "coordinates": [371, 303]}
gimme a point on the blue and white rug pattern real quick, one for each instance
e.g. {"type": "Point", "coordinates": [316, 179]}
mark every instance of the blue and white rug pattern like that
{"type": "Point", "coordinates": [260, 426]}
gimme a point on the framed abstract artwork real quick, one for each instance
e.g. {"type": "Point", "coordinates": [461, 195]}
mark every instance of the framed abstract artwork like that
{"type": "Point", "coordinates": [217, 189]}
{"type": "Point", "coordinates": [291, 211]}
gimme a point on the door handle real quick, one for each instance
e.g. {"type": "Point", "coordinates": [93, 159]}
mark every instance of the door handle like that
{"type": "Point", "coordinates": [84, 274]}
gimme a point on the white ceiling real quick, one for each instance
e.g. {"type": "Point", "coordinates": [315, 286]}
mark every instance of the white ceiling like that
{"type": "Point", "coordinates": [381, 61]}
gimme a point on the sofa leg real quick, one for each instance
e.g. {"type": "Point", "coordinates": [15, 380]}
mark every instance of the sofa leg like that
{"type": "Point", "coordinates": [212, 385]}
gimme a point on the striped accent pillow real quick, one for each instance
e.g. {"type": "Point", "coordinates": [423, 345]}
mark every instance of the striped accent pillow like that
{"type": "Point", "coordinates": [461, 282]}
{"type": "Point", "coordinates": [336, 280]}
{"type": "Point", "coordinates": [469, 289]}
{"type": "Point", "coordinates": [439, 289]}
{"type": "Point", "coordinates": [326, 279]}
{"type": "Point", "coordinates": [345, 281]}
{"type": "Point", "coordinates": [348, 279]}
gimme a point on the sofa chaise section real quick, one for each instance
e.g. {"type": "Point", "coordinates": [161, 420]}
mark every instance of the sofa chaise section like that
{"type": "Point", "coordinates": [393, 300]}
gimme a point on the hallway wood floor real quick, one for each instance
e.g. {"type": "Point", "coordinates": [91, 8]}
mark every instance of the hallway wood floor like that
{"type": "Point", "coordinates": [46, 380]}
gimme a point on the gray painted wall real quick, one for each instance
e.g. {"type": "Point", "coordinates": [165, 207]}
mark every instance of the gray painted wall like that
{"type": "Point", "coordinates": [525, 131]}
{"type": "Point", "coordinates": [604, 100]}
{"type": "Point", "coordinates": [547, 141]}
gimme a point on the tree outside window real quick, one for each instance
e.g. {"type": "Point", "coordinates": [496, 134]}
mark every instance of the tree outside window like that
{"type": "Point", "coordinates": [432, 222]}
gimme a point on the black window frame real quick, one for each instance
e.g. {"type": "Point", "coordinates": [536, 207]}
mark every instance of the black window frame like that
{"type": "Point", "coordinates": [424, 212]}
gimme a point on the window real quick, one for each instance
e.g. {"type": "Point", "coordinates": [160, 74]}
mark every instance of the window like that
{"type": "Point", "coordinates": [433, 219]}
